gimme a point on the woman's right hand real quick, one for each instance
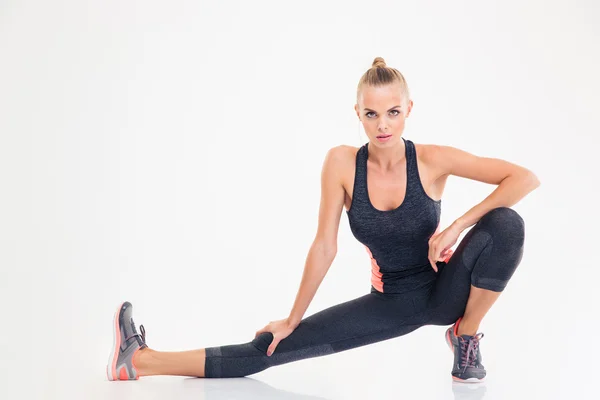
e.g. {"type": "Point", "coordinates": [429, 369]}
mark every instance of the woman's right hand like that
{"type": "Point", "coordinates": [280, 330]}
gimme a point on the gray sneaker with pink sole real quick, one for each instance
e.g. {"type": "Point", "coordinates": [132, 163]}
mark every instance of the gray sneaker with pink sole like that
{"type": "Point", "coordinates": [126, 342]}
{"type": "Point", "coordinates": [467, 365]}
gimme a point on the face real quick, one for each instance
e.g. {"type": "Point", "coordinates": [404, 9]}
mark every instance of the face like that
{"type": "Point", "coordinates": [383, 111]}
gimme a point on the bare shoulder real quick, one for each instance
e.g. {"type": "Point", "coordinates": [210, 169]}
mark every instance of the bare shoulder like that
{"type": "Point", "coordinates": [343, 151]}
{"type": "Point", "coordinates": [342, 157]}
{"type": "Point", "coordinates": [427, 151]}
{"type": "Point", "coordinates": [340, 163]}
{"type": "Point", "coordinates": [428, 157]}
{"type": "Point", "coordinates": [437, 156]}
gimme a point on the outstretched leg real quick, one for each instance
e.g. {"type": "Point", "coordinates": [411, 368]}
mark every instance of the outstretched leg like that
{"type": "Point", "coordinates": [367, 319]}
{"type": "Point", "coordinates": [182, 363]}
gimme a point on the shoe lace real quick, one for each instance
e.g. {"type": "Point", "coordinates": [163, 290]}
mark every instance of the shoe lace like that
{"type": "Point", "coordinates": [143, 331]}
{"type": "Point", "coordinates": [469, 348]}
{"type": "Point", "coordinates": [142, 335]}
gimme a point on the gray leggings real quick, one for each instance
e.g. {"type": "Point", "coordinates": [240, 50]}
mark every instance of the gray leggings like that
{"type": "Point", "coordinates": [487, 257]}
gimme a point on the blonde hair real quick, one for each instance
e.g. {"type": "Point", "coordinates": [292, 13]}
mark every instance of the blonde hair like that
{"type": "Point", "coordinates": [380, 75]}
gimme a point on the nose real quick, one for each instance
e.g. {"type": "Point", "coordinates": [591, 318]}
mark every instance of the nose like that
{"type": "Point", "coordinates": [382, 126]}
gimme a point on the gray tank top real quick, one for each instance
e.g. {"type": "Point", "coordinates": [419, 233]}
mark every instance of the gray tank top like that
{"type": "Point", "coordinates": [396, 240]}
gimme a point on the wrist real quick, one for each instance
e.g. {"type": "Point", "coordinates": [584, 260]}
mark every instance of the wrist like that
{"type": "Point", "coordinates": [459, 225]}
{"type": "Point", "coordinates": [292, 322]}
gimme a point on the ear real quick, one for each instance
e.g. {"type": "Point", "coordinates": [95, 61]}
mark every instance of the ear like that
{"type": "Point", "coordinates": [357, 112]}
{"type": "Point", "coordinates": [409, 108]}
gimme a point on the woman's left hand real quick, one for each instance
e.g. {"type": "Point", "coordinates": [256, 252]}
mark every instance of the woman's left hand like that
{"type": "Point", "coordinates": [440, 245]}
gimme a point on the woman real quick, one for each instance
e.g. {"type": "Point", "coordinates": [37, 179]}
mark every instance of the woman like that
{"type": "Point", "coordinates": [391, 189]}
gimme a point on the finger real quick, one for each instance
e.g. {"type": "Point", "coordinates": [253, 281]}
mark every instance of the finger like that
{"type": "Point", "coordinates": [272, 348]}
{"type": "Point", "coordinates": [448, 250]}
{"type": "Point", "coordinates": [436, 253]}
{"type": "Point", "coordinates": [433, 265]}
{"type": "Point", "coordinates": [443, 255]}
{"type": "Point", "coordinates": [432, 252]}
{"type": "Point", "coordinates": [430, 260]}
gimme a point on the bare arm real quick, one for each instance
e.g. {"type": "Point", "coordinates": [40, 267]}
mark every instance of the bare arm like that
{"type": "Point", "coordinates": [514, 181]}
{"type": "Point", "coordinates": [324, 247]}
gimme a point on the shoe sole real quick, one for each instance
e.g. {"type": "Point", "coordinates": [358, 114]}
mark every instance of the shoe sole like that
{"type": "Point", "coordinates": [469, 380]}
{"type": "Point", "coordinates": [111, 367]}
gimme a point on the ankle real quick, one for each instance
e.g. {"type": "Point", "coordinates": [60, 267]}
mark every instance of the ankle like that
{"type": "Point", "coordinates": [466, 329]}
{"type": "Point", "coordinates": [141, 360]}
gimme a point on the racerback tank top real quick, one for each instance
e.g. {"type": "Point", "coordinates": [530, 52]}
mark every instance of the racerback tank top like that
{"type": "Point", "coordinates": [396, 240]}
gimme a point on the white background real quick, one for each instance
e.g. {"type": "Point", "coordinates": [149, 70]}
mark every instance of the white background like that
{"type": "Point", "coordinates": [169, 153]}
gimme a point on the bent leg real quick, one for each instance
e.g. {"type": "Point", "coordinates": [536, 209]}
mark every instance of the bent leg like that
{"type": "Point", "coordinates": [486, 258]}
{"type": "Point", "coordinates": [367, 319]}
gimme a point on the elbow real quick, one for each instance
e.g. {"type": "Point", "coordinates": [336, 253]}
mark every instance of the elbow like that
{"type": "Point", "coordinates": [533, 181]}
{"type": "Point", "coordinates": [327, 250]}
{"type": "Point", "coordinates": [528, 179]}
{"type": "Point", "coordinates": [329, 253]}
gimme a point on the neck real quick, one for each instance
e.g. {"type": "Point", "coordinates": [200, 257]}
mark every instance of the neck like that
{"type": "Point", "coordinates": [389, 156]}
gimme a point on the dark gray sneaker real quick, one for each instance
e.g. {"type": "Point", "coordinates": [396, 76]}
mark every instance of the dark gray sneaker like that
{"type": "Point", "coordinates": [126, 341]}
{"type": "Point", "coordinates": [467, 356]}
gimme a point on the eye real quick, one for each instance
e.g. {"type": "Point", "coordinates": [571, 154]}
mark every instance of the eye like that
{"type": "Point", "coordinates": [372, 112]}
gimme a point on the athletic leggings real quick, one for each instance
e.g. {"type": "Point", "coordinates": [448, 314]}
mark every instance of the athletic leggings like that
{"type": "Point", "coordinates": [486, 258]}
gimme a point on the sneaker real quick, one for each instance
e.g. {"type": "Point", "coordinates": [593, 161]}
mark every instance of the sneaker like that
{"type": "Point", "coordinates": [467, 356]}
{"type": "Point", "coordinates": [126, 342]}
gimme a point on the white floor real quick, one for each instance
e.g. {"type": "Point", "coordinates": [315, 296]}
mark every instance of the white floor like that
{"type": "Point", "coordinates": [416, 366]}
{"type": "Point", "coordinates": [319, 381]}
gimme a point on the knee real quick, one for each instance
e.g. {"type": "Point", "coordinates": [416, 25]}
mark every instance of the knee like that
{"type": "Point", "coordinates": [505, 224]}
{"type": "Point", "coordinates": [263, 341]}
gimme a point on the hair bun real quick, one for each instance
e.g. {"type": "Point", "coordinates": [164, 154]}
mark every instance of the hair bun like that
{"type": "Point", "coordinates": [379, 62]}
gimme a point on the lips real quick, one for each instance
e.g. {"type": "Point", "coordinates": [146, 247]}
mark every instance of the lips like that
{"type": "Point", "coordinates": [383, 136]}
